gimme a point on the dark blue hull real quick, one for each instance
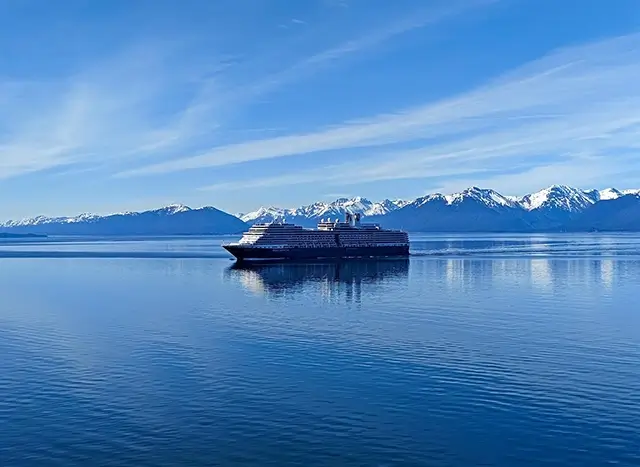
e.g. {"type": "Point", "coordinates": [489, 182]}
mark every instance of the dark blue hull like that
{"type": "Point", "coordinates": [243, 253]}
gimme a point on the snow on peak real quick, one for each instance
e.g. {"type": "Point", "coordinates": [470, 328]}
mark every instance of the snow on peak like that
{"type": "Point", "coordinates": [175, 208]}
{"type": "Point", "coordinates": [559, 197]}
{"type": "Point", "coordinates": [384, 207]}
{"type": "Point", "coordinates": [491, 197]}
{"type": "Point", "coordinates": [43, 220]}
{"type": "Point", "coordinates": [319, 210]}
{"type": "Point", "coordinates": [609, 193]}
{"type": "Point", "coordinates": [428, 198]}
{"type": "Point", "coordinates": [87, 217]}
{"type": "Point", "coordinates": [354, 205]}
{"type": "Point", "coordinates": [263, 213]}
{"type": "Point", "coordinates": [486, 196]}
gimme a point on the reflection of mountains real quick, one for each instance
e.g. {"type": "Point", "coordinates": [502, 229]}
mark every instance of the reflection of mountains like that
{"type": "Point", "coordinates": [347, 276]}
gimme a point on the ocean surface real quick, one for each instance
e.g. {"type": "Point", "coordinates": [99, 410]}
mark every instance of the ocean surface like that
{"type": "Point", "coordinates": [478, 350]}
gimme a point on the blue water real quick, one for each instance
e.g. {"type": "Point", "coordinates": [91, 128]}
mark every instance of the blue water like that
{"type": "Point", "coordinates": [479, 350]}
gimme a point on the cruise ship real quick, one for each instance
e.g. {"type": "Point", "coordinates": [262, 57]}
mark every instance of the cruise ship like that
{"type": "Point", "coordinates": [332, 239]}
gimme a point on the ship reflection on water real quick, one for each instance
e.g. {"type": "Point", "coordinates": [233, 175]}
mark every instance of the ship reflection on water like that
{"type": "Point", "coordinates": [344, 280]}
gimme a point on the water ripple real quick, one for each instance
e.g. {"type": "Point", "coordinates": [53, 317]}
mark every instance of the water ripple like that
{"type": "Point", "coordinates": [164, 361]}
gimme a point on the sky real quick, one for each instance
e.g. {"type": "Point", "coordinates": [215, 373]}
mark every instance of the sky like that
{"type": "Point", "coordinates": [113, 105]}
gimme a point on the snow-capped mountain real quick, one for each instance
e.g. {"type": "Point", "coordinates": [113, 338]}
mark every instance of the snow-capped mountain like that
{"type": "Point", "coordinates": [635, 191]}
{"type": "Point", "coordinates": [310, 214]}
{"type": "Point", "coordinates": [263, 214]}
{"type": "Point", "coordinates": [88, 218]}
{"type": "Point", "coordinates": [42, 220]}
{"type": "Point", "coordinates": [570, 199]}
{"type": "Point", "coordinates": [555, 208]}
{"type": "Point", "coordinates": [485, 197]}
{"type": "Point", "coordinates": [607, 194]}
{"type": "Point", "coordinates": [556, 196]}
{"type": "Point", "coordinates": [560, 197]}
{"type": "Point", "coordinates": [474, 209]}
{"type": "Point", "coordinates": [610, 193]}
{"type": "Point", "coordinates": [490, 198]}
{"type": "Point", "coordinates": [550, 206]}
{"type": "Point", "coordinates": [175, 219]}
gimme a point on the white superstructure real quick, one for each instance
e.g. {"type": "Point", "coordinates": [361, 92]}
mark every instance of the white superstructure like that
{"type": "Point", "coordinates": [329, 234]}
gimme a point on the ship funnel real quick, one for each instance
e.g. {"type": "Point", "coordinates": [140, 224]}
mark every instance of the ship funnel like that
{"type": "Point", "coordinates": [352, 219]}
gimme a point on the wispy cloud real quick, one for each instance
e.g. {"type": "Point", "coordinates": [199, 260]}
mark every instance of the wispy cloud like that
{"type": "Point", "coordinates": [388, 30]}
{"type": "Point", "coordinates": [293, 22]}
{"type": "Point", "coordinates": [106, 112]}
{"type": "Point", "coordinates": [577, 104]}
{"type": "Point", "coordinates": [143, 105]}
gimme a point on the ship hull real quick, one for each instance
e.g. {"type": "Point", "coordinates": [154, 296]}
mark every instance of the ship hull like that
{"type": "Point", "coordinates": [245, 253]}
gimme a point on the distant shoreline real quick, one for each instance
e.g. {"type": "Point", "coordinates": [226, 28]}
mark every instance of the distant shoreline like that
{"type": "Point", "coordinates": [10, 235]}
{"type": "Point", "coordinates": [555, 209]}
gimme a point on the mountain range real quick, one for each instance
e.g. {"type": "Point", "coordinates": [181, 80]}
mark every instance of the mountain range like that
{"type": "Point", "coordinates": [175, 219]}
{"type": "Point", "coordinates": [553, 209]}
{"type": "Point", "coordinates": [308, 216]}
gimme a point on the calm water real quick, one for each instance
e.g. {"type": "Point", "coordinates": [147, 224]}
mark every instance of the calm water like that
{"type": "Point", "coordinates": [486, 350]}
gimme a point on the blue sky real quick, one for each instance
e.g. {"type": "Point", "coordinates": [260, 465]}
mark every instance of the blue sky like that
{"type": "Point", "coordinates": [119, 105]}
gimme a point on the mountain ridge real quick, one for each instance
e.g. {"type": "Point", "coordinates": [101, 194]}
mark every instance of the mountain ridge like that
{"type": "Point", "coordinates": [175, 219]}
{"type": "Point", "coordinates": [308, 215]}
{"type": "Point", "coordinates": [555, 208]}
